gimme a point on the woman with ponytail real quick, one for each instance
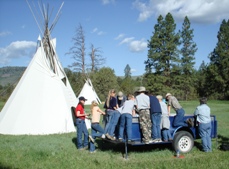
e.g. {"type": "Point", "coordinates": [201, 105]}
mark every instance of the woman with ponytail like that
{"type": "Point", "coordinates": [112, 115]}
{"type": "Point", "coordinates": [96, 129]}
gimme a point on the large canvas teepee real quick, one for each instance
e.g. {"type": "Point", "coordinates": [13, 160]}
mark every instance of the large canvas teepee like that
{"type": "Point", "coordinates": [89, 93]}
{"type": "Point", "coordinates": [42, 100]}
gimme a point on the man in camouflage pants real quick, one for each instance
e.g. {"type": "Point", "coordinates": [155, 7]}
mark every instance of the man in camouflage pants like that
{"type": "Point", "coordinates": [143, 106]}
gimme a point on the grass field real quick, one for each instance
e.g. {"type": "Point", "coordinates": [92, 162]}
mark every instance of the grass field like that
{"type": "Point", "coordinates": [59, 151]}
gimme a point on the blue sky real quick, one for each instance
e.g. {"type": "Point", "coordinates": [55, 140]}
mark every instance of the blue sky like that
{"type": "Point", "coordinates": [120, 28]}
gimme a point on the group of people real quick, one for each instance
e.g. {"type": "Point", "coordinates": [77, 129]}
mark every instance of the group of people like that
{"type": "Point", "coordinates": [153, 115]}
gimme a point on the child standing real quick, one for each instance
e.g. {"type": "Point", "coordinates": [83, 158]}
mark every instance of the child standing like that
{"type": "Point", "coordinates": [96, 129]}
{"type": "Point", "coordinates": [127, 112]}
{"type": "Point", "coordinates": [81, 125]}
{"type": "Point", "coordinates": [165, 122]}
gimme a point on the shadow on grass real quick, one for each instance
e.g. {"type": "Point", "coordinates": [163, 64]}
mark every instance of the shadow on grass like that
{"type": "Point", "coordinates": [74, 141]}
{"type": "Point", "coordinates": [224, 143]}
{"type": "Point", "coordinates": [120, 147]}
{"type": "Point", "coordinates": [198, 145]}
{"type": "Point", "coordinates": [2, 166]}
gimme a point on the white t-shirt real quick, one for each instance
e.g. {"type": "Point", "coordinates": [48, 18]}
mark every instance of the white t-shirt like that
{"type": "Point", "coordinates": [128, 107]}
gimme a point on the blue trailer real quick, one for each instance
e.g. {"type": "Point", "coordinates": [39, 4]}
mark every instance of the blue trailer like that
{"type": "Point", "coordinates": [183, 137]}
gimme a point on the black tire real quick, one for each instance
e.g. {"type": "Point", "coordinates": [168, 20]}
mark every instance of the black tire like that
{"type": "Point", "coordinates": [183, 141]}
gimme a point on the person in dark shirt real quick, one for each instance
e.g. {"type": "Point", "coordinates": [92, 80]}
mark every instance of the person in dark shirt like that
{"type": "Point", "coordinates": [112, 114]}
{"type": "Point", "coordinates": [155, 114]}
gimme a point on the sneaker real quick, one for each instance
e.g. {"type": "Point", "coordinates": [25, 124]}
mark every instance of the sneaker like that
{"type": "Point", "coordinates": [93, 151]}
{"type": "Point", "coordinates": [91, 139]}
{"type": "Point", "coordinates": [130, 141]}
{"type": "Point", "coordinates": [151, 141]}
{"type": "Point", "coordinates": [103, 136]}
{"type": "Point", "coordinates": [110, 137]}
{"type": "Point", "coordinates": [154, 140]}
{"type": "Point", "coordinates": [107, 136]}
{"type": "Point", "coordinates": [113, 138]}
{"type": "Point", "coordinates": [159, 140]}
{"type": "Point", "coordinates": [120, 139]}
{"type": "Point", "coordinates": [85, 148]}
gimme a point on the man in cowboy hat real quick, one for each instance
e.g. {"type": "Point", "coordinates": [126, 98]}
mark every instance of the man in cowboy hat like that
{"type": "Point", "coordinates": [143, 106]}
{"type": "Point", "coordinates": [179, 118]}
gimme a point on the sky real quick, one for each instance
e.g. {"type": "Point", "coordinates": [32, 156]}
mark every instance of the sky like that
{"type": "Point", "coordinates": [119, 28]}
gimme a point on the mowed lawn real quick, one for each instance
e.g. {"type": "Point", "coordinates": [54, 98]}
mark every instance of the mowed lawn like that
{"type": "Point", "coordinates": [59, 151]}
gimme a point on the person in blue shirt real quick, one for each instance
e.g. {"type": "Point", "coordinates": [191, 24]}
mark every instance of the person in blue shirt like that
{"type": "Point", "coordinates": [203, 118]}
{"type": "Point", "coordinates": [155, 114]}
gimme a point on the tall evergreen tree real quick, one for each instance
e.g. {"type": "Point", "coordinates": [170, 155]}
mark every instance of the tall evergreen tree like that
{"type": "Point", "coordinates": [201, 80]}
{"type": "Point", "coordinates": [163, 53]}
{"type": "Point", "coordinates": [127, 71]}
{"type": "Point", "coordinates": [188, 50]}
{"type": "Point", "coordinates": [218, 70]}
{"type": "Point", "coordinates": [155, 63]}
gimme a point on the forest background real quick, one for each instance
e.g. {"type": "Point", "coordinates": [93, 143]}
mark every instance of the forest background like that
{"type": "Point", "coordinates": [169, 67]}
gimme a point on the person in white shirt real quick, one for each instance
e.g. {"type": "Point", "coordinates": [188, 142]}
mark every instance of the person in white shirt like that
{"type": "Point", "coordinates": [127, 111]}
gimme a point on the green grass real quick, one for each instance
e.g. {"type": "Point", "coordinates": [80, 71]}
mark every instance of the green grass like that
{"type": "Point", "coordinates": [59, 151]}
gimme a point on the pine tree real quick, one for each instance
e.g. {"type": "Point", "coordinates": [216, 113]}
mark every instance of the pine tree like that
{"type": "Point", "coordinates": [218, 70]}
{"type": "Point", "coordinates": [188, 50]}
{"type": "Point", "coordinates": [163, 53]}
{"type": "Point", "coordinates": [200, 84]}
{"type": "Point", "coordinates": [127, 71]}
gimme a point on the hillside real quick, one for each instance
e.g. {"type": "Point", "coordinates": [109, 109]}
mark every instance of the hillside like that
{"type": "Point", "coordinates": [10, 74]}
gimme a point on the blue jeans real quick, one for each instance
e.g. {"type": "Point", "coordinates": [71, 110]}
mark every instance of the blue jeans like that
{"type": "Point", "coordinates": [112, 120]}
{"type": "Point", "coordinates": [81, 129]}
{"type": "Point", "coordinates": [96, 131]}
{"type": "Point", "coordinates": [125, 122]}
{"type": "Point", "coordinates": [109, 114]}
{"type": "Point", "coordinates": [179, 118]}
{"type": "Point", "coordinates": [205, 134]}
{"type": "Point", "coordinates": [166, 134]}
{"type": "Point", "coordinates": [156, 121]}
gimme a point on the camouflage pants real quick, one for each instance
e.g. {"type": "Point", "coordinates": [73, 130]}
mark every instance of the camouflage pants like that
{"type": "Point", "coordinates": [145, 124]}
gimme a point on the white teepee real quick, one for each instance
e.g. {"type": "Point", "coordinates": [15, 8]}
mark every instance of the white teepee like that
{"type": "Point", "coordinates": [89, 93]}
{"type": "Point", "coordinates": [42, 100]}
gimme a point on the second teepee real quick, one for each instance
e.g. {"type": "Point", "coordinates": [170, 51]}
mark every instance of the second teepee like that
{"type": "Point", "coordinates": [89, 92]}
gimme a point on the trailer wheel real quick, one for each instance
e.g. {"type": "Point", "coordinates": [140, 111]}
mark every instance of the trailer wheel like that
{"type": "Point", "coordinates": [183, 141]}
